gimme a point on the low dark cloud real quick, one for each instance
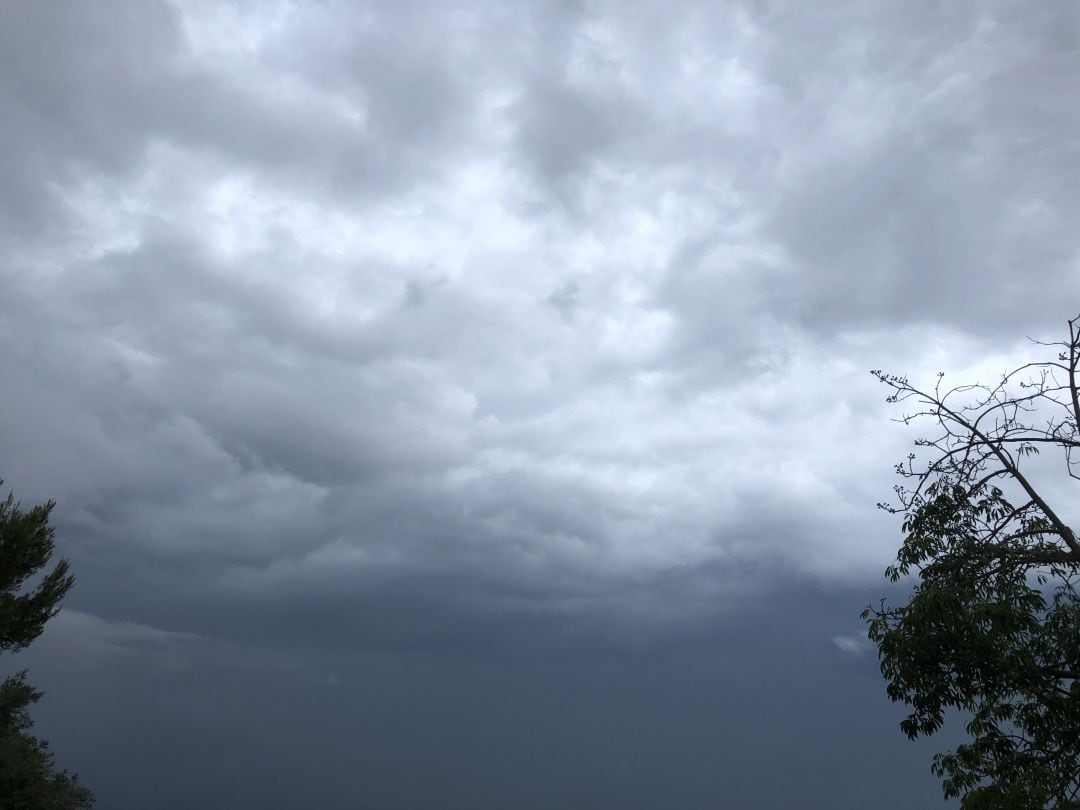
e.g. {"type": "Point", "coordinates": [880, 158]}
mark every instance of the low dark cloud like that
{"type": "Point", "coordinates": [714, 711]}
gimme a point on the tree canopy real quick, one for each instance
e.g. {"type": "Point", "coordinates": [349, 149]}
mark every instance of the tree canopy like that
{"type": "Point", "coordinates": [991, 630]}
{"type": "Point", "coordinates": [28, 777]}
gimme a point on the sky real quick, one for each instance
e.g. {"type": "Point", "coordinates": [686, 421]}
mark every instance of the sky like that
{"type": "Point", "coordinates": [466, 404]}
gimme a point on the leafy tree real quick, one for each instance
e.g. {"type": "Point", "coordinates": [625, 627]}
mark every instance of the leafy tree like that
{"type": "Point", "coordinates": [28, 779]}
{"type": "Point", "coordinates": [991, 630]}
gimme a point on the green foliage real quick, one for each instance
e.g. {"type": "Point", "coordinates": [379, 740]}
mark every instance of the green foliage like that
{"type": "Point", "coordinates": [26, 544]}
{"type": "Point", "coordinates": [979, 635]}
{"type": "Point", "coordinates": [992, 626]}
{"type": "Point", "coordinates": [28, 778]}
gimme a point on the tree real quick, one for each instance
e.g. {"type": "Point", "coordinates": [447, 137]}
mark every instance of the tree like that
{"type": "Point", "coordinates": [28, 779]}
{"type": "Point", "coordinates": [992, 626]}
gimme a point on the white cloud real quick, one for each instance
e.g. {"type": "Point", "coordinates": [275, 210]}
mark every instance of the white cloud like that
{"type": "Point", "coordinates": [857, 646]}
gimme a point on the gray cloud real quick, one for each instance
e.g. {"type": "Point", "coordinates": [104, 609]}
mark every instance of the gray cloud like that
{"type": "Point", "coordinates": [405, 368]}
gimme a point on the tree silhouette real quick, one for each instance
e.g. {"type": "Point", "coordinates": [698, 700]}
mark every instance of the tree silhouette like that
{"type": "Point", "coordinates": [28, 778]}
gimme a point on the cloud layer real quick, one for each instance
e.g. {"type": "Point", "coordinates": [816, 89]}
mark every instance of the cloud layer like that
{"type": "Point", "coordinates": [414, 329]}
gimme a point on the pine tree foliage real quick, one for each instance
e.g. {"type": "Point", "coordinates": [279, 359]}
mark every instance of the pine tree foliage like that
{"type": "Point", "coordinates": [28, 777]}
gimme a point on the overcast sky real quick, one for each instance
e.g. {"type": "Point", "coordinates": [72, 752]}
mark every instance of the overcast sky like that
{"type": "Point", "coordinates": [465, 404]}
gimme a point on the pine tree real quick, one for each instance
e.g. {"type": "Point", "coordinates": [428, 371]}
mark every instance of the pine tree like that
{"type": "Point", "coordinates": [28, 777]}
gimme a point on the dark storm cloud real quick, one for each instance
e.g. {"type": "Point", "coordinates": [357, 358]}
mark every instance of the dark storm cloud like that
{"type": "Point", "coordinates": [413, 367]}
{"type": "Point", "coordinates": [690, 723]}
